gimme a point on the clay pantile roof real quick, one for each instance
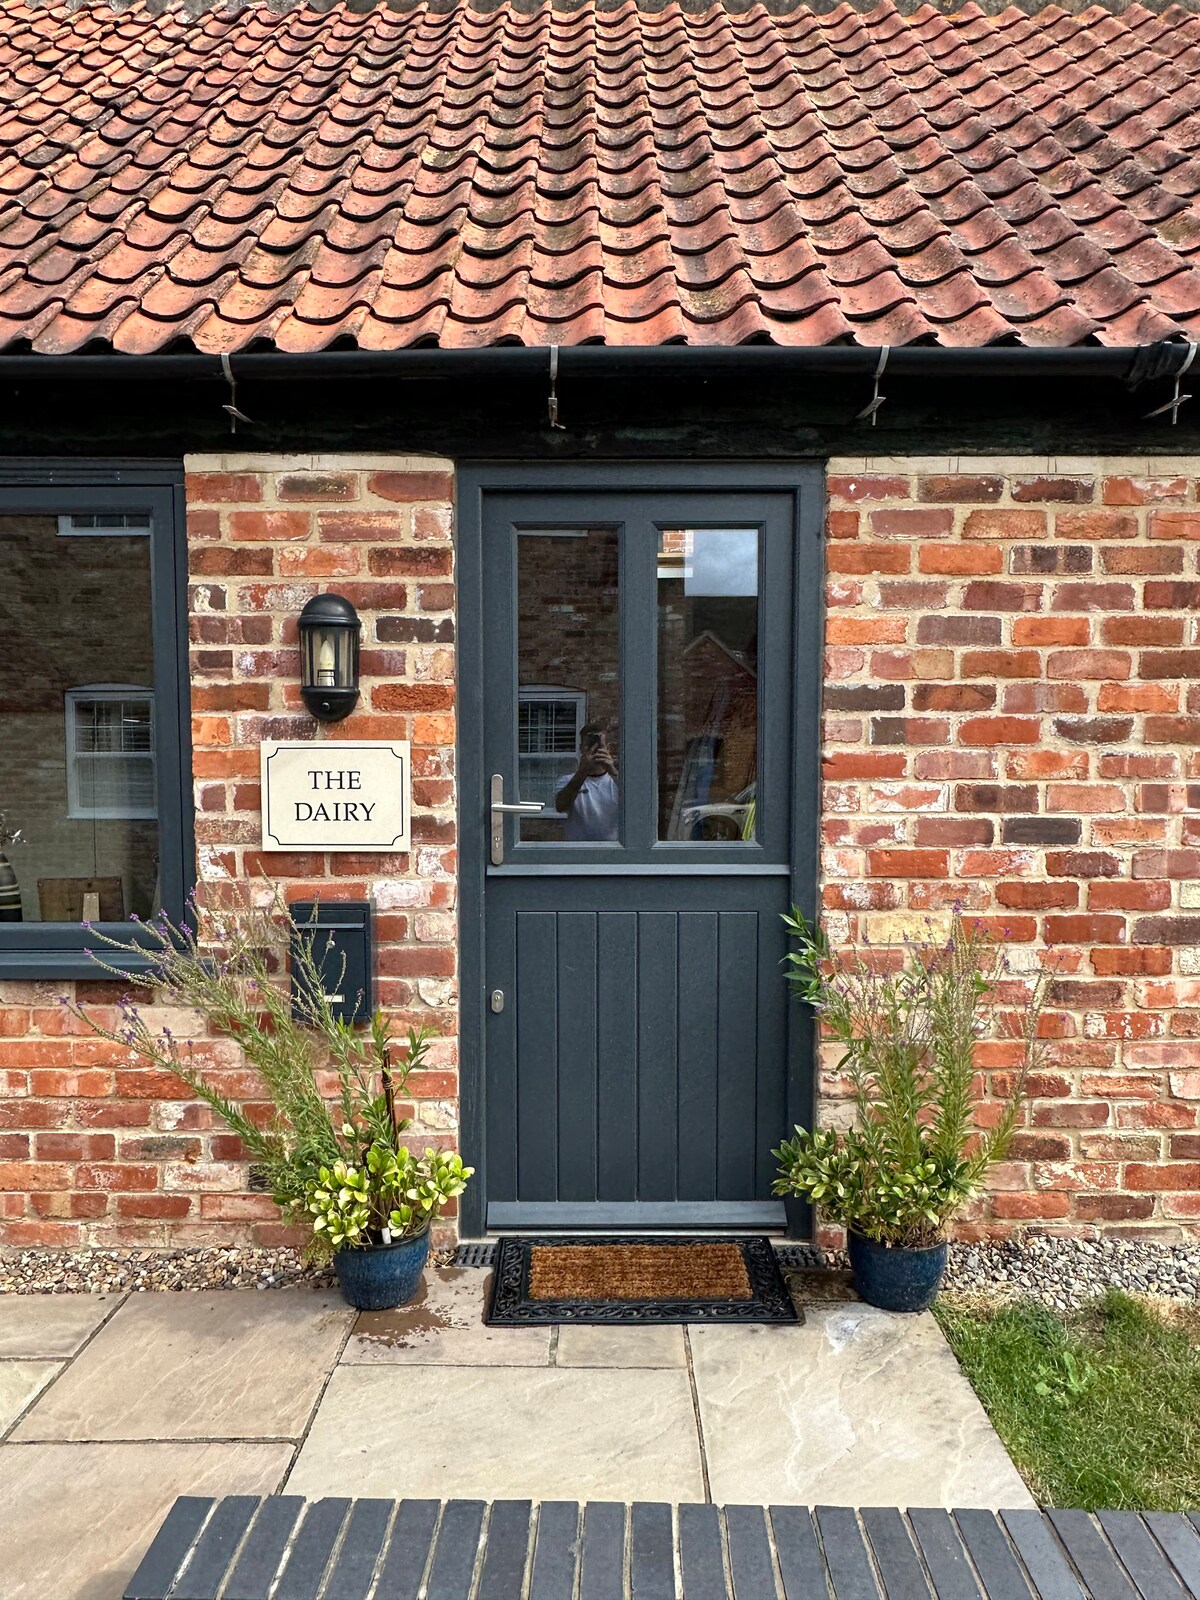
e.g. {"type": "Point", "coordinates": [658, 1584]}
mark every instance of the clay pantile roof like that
{"type": "Point", "coordinates": [463, 177]}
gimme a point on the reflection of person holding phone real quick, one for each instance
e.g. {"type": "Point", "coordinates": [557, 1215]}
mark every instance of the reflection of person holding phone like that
{"type": "Point", "coordinates": [588, 797]}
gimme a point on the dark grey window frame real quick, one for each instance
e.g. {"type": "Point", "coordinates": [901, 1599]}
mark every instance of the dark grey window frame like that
{"type": "Point", "coordinates": [58, 950]}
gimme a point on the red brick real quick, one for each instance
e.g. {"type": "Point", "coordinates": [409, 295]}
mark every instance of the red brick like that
{"type": "Point", "coordinates": [1001, 663]}
{"type": "Point", "coordinates": [1137, 631]}
{"type": "Point", "coordinates": [1120, 895]}
{"type": "Point", "coordinates": [225, 488]}
{"type": "Point", "coordinates": [272, 526]}
{"type": "Point", "coordinates": [1005, 525]}
{"type": "Point", "coordinates": [986, 596]}
{"type": "Point", "coordinates": [956, 560]}
{"type": "Point", "coordinates": [911, 524]}
{"type": "Point", "coordinates": [1113, 1207]}
{"type": "Point", "coordinates": [1085, 929]}
{"type": "Point", "coordinates": [1091, 525]}
{"type": "Point", "coordinates": [1076, 664]}
{"type": "Point", "coordinates": [1140, 1176]}
{"type": "Point", "coordinates": [409, 487]}
{"type": "Point", "coordinates": [868, 558]}
{"type": "Point", "coordinates": [908, 863]}
{"type": "Point", "coordinates": [1120, 491]}
{"type": "Point", "coordinates": [1037, 896]}
{"type": "Point", "coordinates": [1063, 490]}
{"type": "Point", "coordinates": [960, 487]}
{"type": "Point", "coordinates": [1173, 525]}
{"type": "Point", "coordinates": [1051, 631]}
{"type": "Point", "coordinates": [953, 697]}
{"type": "Point", "coordinates": [995, 731]}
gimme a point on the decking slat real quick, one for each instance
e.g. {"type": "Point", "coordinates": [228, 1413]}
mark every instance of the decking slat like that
{"type": "Point", "coordinates": [355, 1565]}
{"type": "Point", "coordinates": [850, 1570]}
{"type": "Point", "coordinates": [310, 1553]}
{"type": "Point", "coordinates": [651, 1552]}
{"type": "Point", "coordinates": [701, 1556]}
{"type": "Point", "coordinates": [994, 1560]}
{"type": "Point", "coordinates": [602, 1554]}
{"type": "Point", "coordinates": [895, 1554]}
{"type": "Point", "coordinates": [1043, 1556]}
{"type": "Point", "coordinates": [945, 1555]}
{"type": "Point", "coordinates": [503, 1573]}
{"type": "Point", "coordinates": [157, 1568]}
{"type": "Point", "coordinates": [1181, 1542]}
{"type": "Point", "coordinates": [408, 1548]}
{"type": "Point", "coordinates": [1140, 1555]}
{"type": "Point", "coordinates": [1090, 1552]}
{"type": "Point", "coordinates": [555, 1551]}
{"type": "Point", "coordinates": [263, 1550]}
{"type": "Point", "coordinates": [750, 1563]}
{"type": "Point", "coordinates": [456, 1550]}
{"type": "Point", "coordinates": [214, 1549]}
{"type": "Point", "coordinates": [801, 1565]}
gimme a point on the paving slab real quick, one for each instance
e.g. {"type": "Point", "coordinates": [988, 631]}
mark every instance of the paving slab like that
{"type": "Point", "coordinates": [50, 1324]}
{"type": "Point", "coordinates": [857, 1407]}
{"type": "Point", "coordinates": [77, 1517]}
{"type": "Point", "coordinates": [444, 1325]}
{"type": "Point", "coordinates": [596, 1346]}
{"type": "Point", "coordinates": [19, 1382]}
{"type": "Point", "coordinates": [223, 1364]}
{"type": "Point", "coordinates": [504, 1433]}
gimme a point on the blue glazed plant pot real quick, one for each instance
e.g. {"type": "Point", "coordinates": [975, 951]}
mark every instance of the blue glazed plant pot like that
{"type": "Point", "coordinates": [893, 1277]}
{"type": "Point", "coordinates": [382, 1275]}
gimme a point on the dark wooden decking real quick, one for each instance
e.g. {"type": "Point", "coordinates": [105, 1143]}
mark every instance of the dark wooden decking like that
{"type": "Point", "coordinates": [284, 1548]}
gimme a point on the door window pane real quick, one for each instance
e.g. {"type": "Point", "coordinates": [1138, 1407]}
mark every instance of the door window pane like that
{"type": "Point", "coordinates": [707, 683]}
{"type": "Point", "coordinates": [568, 676]}
{"type": "Point", "coordinates": [77, 774]}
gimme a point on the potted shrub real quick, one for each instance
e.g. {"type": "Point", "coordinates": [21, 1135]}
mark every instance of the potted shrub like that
{"type": "Point", "coordinates": [908, 1023]}
{"type": "Point", "coordinates": [331, 1146]}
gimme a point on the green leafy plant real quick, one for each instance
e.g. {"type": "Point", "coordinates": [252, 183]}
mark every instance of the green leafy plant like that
{"type": "Point", "coordinates": [908, 1023]}
{"type": "Point", "coordinates": [329, 1147]}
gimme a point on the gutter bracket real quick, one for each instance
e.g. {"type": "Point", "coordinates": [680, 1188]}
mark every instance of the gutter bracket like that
{"type": "Point", "coordinates": [1178, 398]}
{"type": "Point", "coordinates": [871, 409]}
{"type": "Point", "coordinates": [552, 402]}
{"type": "Point", "coordinates": [231, 405]}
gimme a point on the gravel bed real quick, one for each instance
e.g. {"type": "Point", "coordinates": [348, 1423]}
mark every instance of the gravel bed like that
{"type": "Point", "coordinates": [1066, 1273]}
{"type": "Point", "coordinates": [122, 1271]}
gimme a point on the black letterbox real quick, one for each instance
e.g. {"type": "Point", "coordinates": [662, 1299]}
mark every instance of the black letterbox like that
{"type": "Point", "coordinates": [340, 934]}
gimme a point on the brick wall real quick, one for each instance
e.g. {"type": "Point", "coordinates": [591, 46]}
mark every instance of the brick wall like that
{"type": "Point", "coordinates": [1012, 723]}
{"type": "Point", "coordinates": [97, 1150]}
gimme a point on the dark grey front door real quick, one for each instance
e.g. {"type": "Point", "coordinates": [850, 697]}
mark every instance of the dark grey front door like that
{"type": "Point", "coordinates": [635, 1057]}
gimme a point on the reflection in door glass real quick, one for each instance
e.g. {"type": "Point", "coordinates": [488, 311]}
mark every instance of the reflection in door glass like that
{"type": "Point", "coordinates": [707, 683]}
{"type": "Point", "coordinates": [568, 677]}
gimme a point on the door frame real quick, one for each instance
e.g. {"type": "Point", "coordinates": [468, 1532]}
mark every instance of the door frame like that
{"type": "Point", "coordinates": [805, 483]}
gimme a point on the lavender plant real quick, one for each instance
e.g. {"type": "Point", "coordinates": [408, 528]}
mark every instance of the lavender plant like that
{"type": "Point", "coordinates": [908, 1035]}
{"type": "Point", "coordinates": [335, 1163]}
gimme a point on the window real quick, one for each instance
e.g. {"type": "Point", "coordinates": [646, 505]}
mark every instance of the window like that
{"type": "Point", "coordinates": [94, 760]}
{"type": "Point", "coordinates": [110, 752]}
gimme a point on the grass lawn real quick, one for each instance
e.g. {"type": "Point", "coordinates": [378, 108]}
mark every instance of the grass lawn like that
{"type": "Point", "coordinates": [1098, 1409]}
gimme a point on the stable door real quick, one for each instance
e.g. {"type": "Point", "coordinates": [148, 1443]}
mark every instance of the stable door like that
{"type": "Point", "coordinates": [635, 776]}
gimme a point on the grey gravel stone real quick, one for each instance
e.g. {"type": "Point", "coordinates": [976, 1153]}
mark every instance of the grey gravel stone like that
{"type": "Point", "coordinates": [1066, 1273]}
{"type": "Point", "coordinates": [125, 1271]}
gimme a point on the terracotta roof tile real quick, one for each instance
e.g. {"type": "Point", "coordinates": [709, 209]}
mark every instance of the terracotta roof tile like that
{"type": "Point", "coordinates": [472, 177]}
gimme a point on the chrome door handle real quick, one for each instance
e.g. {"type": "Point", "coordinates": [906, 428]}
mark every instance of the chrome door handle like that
{"type": "Point", "coordinates": [500, 809]}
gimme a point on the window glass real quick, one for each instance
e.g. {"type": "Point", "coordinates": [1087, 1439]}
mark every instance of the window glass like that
{"type": "Point", "coordinates": [568, 675]}
{"type": "Point", "coordinates": [707, 683]}
{"type": "Point", "coordinates": [77, 774]}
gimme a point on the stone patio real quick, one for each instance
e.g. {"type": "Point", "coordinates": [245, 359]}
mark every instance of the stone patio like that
{"type": "Point", "coordinates": [112, 1406]}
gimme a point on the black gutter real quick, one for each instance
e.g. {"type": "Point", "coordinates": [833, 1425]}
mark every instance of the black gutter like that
{"type": "Point", "coordinates": [1132, 364]}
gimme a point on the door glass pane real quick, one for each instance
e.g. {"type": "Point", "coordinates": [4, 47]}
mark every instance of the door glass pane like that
{"type": "Point", "coordinates": [77, 737]}
{"type": "Point", "coordinates": [707, 683]}
{"type": "Point", "coordinates": [568, 677]}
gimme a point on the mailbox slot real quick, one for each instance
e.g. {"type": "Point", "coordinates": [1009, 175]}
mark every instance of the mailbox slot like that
{"type": "Point", "coordinates": [340, 935]}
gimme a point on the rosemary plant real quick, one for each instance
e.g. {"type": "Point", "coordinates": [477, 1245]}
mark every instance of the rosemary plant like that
{"type": "Point", "coordinates": [333, 1161]}
{"type": "Point", "coordinates": [908, 1032]}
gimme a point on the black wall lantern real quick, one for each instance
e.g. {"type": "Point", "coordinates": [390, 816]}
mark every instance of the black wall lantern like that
{"type": "Point", "coordinates": [329, 635]}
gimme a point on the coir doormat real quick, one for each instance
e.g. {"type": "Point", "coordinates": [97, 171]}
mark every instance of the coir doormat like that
{"type": "Point", "coordinates": [611, 1281]}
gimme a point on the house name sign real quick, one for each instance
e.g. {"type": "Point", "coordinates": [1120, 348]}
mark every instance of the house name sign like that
{"type": "Point", "coordinates": [335, 795]}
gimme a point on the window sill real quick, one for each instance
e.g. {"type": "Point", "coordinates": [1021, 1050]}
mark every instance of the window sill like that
{"type": "Point", "coordinates": [30, 965]}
